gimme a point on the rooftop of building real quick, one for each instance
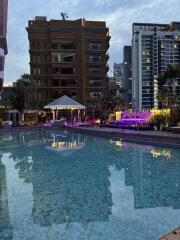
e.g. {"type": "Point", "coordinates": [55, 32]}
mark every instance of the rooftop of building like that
{"type": "Point", "coordinates": [149, 24]}
{"type": "Point", "coordinates": [167, 27]}
{"type": "Point", "coordinates": [44, 22]}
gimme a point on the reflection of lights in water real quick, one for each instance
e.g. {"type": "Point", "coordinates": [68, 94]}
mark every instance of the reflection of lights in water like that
{"type": "Point", "coordinates": [65, 148]}
{"type": "Point", "coordinates": [117, 143]}
{"type": "Point", "coordinates": [161, 153]}
{"type": "Point", "coordinates": [62, 145]}
{"type": "Point", "coordinates": [10, 138]}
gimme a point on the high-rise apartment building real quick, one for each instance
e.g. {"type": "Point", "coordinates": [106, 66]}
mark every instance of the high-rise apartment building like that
{"type": "Point", "coordinates": [154, 48]}
{"type": "Point", "coordinates": [68, 58]}
{"type": "Point", "coordinates": [127, 74]}
{"type": "Point", "coordinates": [3, 44]}
{"type": "Point", "coordinates": [118, 74]}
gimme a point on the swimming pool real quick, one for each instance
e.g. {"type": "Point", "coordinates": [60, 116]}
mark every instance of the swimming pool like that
{"type": "Point", "coordinates": [60, 185]}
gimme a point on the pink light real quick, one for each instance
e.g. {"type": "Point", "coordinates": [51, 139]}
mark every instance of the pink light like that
{"type": "Point", "coordinates": [135, 116]}
{"type": "Point", "coordinates": [133, 120]}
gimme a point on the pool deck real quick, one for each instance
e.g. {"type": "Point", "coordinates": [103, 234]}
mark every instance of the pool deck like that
{"type": "Point", "coordinates": [174, 235]}
{"type": "Point", "coordinates": [146, 137]}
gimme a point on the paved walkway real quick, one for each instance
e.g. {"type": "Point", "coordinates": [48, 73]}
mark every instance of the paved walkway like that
{"type": "Point", "coordinates": [158, 137]}
{"type": "Point", "coordinates": [174, 235]}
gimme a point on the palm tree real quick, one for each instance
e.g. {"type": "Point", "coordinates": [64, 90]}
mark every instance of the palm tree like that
{"type": "Point", "coordinates": [23, 89]}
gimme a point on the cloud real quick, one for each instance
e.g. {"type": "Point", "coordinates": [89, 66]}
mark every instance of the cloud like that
{"type": "Point", "coordinates": [119, 15]}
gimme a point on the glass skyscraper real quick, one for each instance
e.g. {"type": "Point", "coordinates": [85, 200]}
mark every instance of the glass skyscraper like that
{"type": "Point", "coordinates": [154, 48]}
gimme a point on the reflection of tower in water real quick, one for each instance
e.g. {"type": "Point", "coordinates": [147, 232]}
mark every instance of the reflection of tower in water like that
{"type": "Point", "coordinates": [6, 231]}
{"type": "Point", "coordinates": [155, 180]}
{"type": "Point", "coordinates": [153, 172]}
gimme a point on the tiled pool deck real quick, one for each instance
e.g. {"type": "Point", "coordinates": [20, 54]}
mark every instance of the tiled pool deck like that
{"type": "Point", "coordinates": [174, 235]}
{"type": "Point", "coordinates": [146, 137]}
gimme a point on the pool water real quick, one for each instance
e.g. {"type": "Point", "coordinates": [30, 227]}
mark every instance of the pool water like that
{"type": "Point", "coordinates": [59, 185]}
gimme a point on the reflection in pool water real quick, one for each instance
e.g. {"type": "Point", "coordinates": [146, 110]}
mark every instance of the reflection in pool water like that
{"type": "Point", "coordinates": [99, 189]}
{"type": "Point", "coordinates": [67, 147]}
{"type": "Point", "coordinates": [6, 231]}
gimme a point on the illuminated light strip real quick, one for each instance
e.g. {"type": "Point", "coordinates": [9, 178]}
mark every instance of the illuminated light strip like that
{"type": "Point", "coordinates": [131, 120]}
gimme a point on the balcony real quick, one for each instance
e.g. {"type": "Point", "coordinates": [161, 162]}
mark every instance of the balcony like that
{"type": "Point", "coordinates": [63, 57]}
{"type": "Point", "coordinates": [63, 71]}
{"type": "Point", "coordinates": [63, 46]}
{"type": "Point", "coordinates": [69, 83]}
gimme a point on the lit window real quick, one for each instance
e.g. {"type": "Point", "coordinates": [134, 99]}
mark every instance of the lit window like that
{"type": "Point", "coordinates": [95, 58]}
{"type": "Point", "coordinates": [95, 45]}
{"type": "Point", "coordinates": [95, 70]}
{"type": "Point", "coordinates": [96, 94]}
{"type": "Point", "coordinates": [95, 82]}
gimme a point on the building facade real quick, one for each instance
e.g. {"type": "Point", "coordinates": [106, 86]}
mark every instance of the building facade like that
{"type": "Point", "coordinates": [68, 58]}
{"type": "Point", "coordinates": [127, 74]}
{"type": "Point", "coordinates": [154, 48]}
{"type": "Point", "coordinates": [3, 44]}
{"type": "Point", "coordinates": [6, 96]}
{"type": "Point", "coordinates": [118, 74]}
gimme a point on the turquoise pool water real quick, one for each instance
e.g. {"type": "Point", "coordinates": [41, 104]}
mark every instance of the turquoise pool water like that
{"type": "Point", "coordinates": [57, 185]}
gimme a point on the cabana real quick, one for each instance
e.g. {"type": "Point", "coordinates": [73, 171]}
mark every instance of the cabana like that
{"type": "Point", "coordinates": [65, 103]}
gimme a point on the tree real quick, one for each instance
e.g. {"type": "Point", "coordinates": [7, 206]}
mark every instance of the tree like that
{"type": "Point", "coordinates": [170, 78]}
{"type": "Point", "coordinates": [110, 102]}
{"type": "Point", "coordinates": [22, 93]}
{"type": "Point", "coordinates": [64, 16]}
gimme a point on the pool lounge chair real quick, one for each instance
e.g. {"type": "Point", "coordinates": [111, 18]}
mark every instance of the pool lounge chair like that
{"type": "Point", "coordinates": [55, 123]}
{"type": "Point", "coordinates": [7, 124]}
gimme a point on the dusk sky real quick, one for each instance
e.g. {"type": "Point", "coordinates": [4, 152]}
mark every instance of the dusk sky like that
{"type": "Point", "coordinates": [119, 15]}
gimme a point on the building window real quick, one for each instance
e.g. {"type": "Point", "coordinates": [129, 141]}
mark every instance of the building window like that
{"type": "Point", "coordinates": [95, 82]}
{"type": "Point", "coordinates": [33, 45]}
{"type": "Point", "coordinates": [40, 95]}
{"type": "Point", "coordinates": [38, 58]}
{"type": "Point", "coordinates": [96, 94]}
{"type": "Point", "coordinates": [64, 45]}
{"type": "Point", "coordinates": [67, 71]}
{"type": "Point", "coordinates": [63, 57]}
{"type": "Point", "coordinates": [69, 83]}
{"type": "Point", "coordinates": [55, 58]}
{"type": "Point", "coordinates": [67, 46]}
{"type": "Point", "coordinates": [95, 58]}
{"type": "Point", "coordinates": [55, 45]}
{"type": "Point", "coordinates": [38, 45]}
{"type": "Point", "coordinates": [46, 70]}
{"type": "Point", "coordinates": [95, 70]}
{"type": "Point", "coordinates": [95, 46]}
{"type": "Point", "coordinates": [55, 83]}
{"type": "Point", "coordinates": [56, 70]}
